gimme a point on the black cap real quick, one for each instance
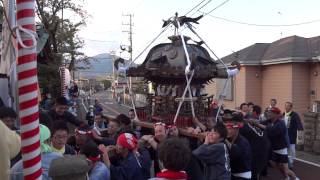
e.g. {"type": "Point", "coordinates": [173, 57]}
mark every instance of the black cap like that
{"type": "Point", "coordinates": [233, 116]}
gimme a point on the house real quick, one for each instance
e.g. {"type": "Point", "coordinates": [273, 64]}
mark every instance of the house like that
{"type": "Point", "coordinates": [287, 70]}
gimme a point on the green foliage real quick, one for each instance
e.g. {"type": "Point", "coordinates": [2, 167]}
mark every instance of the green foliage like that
{"type": "Point", "coordinates": [49, 78]}
{"type": "Point", "coordinates": [63, 43]}
{"type": "Point", "coordinates": [107, 84]}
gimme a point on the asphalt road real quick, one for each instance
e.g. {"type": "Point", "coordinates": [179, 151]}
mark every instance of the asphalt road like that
{"type": "Point", "coordinates": [305, 170]}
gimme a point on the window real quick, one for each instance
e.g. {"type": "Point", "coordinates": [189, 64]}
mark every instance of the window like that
{"type": "Point", "coordinates": [229, 88]}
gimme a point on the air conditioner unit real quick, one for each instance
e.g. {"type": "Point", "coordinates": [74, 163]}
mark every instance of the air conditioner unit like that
{"type": "Point", "coordinates": [316, 106]}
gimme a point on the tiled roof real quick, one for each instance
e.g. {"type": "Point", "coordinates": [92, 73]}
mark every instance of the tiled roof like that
{"type": "Point", "coordinates": [251, 54]}
{"type": "Point", "coordinates": [289, 49]}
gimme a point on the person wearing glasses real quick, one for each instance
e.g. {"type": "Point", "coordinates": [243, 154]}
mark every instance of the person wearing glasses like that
{"type": "Point", "coordinates": [47, 155]}
{"type": "Point", "coordinates": [60, 134]}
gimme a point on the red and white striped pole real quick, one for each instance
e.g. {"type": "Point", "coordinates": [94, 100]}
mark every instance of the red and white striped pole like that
{"type": "Point", "coordinates": [28, 89]}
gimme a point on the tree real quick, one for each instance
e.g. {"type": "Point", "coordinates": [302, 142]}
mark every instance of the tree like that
{"type": "Point", "coordinates": [107, 84]}
{"type": "Point", "coordinates": [63, 42]}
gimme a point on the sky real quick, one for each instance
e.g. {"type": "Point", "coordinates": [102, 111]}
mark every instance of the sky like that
{"type": "Point", "coordinates": [104, 30]}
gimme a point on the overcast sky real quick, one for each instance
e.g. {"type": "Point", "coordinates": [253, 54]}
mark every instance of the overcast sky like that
{"type": "Point", "coordinates": [103, 32]}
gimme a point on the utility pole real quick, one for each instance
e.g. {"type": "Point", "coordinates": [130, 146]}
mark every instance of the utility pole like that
{"type": "Point", "coordinates": [129, 48]}
{"type": "Point", "coordinates": [130, 36]}
{"type": "Point", "coordinates": [113, 84]}
{"type": "Point", "coordinates": [130, 24]}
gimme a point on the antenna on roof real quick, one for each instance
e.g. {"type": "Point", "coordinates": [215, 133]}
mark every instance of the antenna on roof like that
{"type": "Point", "coordinates": [282, 19]}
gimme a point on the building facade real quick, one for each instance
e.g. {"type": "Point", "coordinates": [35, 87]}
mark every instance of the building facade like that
{"type": "Point", "coordinates": [287, 70]}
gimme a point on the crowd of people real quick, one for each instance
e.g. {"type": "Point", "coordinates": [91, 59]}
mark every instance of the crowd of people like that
{"type": "Point", "coordinates": [238, 145]}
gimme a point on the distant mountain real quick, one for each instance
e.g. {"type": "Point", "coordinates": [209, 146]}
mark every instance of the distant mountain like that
{"type": "Point", "coordinates": [100, 65]}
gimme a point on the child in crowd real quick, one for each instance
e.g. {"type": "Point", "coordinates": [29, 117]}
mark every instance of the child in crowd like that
{"type": "Point", "coordinates": [174, 154]}
{"type": "Point", "coordinates": [214, 154]}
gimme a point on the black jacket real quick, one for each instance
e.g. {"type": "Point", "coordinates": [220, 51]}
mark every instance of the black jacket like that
{"type": "Point", "coordinates": [260, 146]}
{"type": "Point", "coordinates": [67, 117]}
{"type": "Point", "coordinates": [132, 167]}
{"type": "Point", "coordinates": [294, 125]}
{"type": "Point", "coordinates": [277, 134]}
{"type": "Point", "coordinates": [69, 150]}
{"type": "Point", "coordinates": [240, 155]}
{"type": "Point", "coordinates": [1, 102]}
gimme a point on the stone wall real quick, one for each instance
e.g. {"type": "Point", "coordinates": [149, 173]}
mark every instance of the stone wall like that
{"type": "Point", "coordinates": [312, 132]}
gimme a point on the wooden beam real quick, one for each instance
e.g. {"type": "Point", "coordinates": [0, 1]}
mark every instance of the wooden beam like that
{"type": "Point", "coordinates": [182, 131]}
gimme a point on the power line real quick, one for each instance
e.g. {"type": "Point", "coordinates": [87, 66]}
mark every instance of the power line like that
{"type": "Point", "coordinates": [93, 71]}
{"type": "Point", "coordinates": [224, 2]}
{"type": "Point", "coordinates": [139, 4]}
{"type": "Point", "coordinates": [183, 29]}
{"type": "Point", "coordinates": [195, 7]}
{"type": "Point", "coordinates": [103, 41]}
{"type": "Point", "coordinates": [204, 5]}
{"type": "Point", "coordinates": [166, 34]}
{"type": "Point", "coordinates": [265, 25]}
{"type": "Point", "coordinates": [202, 12]}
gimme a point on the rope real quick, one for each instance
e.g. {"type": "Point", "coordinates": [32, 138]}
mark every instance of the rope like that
{"type": "Point", "coordinates": [231, 73]}
{"type": "Point", "coordinates": [148, 45]}
{"type": "Point", "coordinates": [187, 71]}
{"type": "Point", "coordinates": [221, 97]}
{"type": "Point", "coordinates": [194, 32]}
{"type": "Point", "coordinates": [124, 69]}
{"type": "Point", "coordinates": [132, 102]}
{"type": "Point", "coordinates": [28, 90]}
{"type": "Point", "coordinates": [183, 96]}
{"type": "Point", "coordinates": [188, 67]}
{"type": "Point", "coordinates": [190, 96]}
{"type": "Point", "coordinates": [30, 34]}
